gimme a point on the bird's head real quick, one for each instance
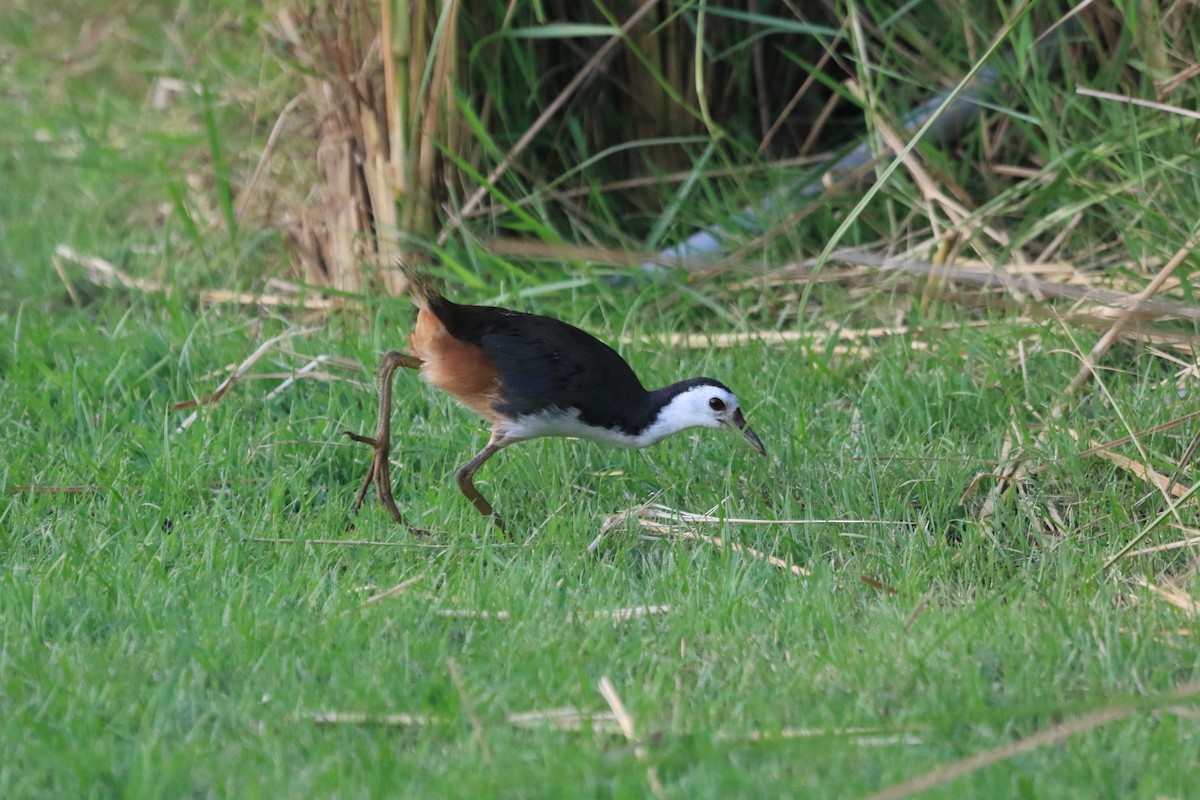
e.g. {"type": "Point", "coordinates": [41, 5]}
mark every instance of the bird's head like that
{"type": "Point", "coordinates": [705, 403]}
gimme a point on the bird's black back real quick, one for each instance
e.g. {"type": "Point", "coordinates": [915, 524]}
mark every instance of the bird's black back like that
{"type": "Point", "coordinates": [545, 363]}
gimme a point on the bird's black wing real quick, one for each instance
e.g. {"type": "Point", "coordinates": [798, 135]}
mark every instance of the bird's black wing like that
{"type": "Point", "coordinates": [550, 363]}
{"type": "Point", "coordinates": [544, 362]}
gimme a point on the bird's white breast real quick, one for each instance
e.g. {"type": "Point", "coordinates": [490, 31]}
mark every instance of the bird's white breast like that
{"type": "Point", "coordinates": [680, 414]}
{"type": "Point", "coordinates": [556, 422]}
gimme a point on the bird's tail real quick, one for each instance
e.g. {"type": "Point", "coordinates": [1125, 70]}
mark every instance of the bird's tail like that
{"type": "Point", "coordinates": [420, 287]}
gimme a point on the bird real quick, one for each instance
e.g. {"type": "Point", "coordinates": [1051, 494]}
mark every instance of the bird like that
{"type": "Point", "coordinates": [532, 376]}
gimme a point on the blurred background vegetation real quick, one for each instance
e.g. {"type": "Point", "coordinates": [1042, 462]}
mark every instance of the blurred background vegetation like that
{"type": "Point", "coordinates": [323, 142]}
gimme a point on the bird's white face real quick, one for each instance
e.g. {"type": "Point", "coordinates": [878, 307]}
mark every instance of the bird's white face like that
{"type": "Point", "coordinates": [700, 407]}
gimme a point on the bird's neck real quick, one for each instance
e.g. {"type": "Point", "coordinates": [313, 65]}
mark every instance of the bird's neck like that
{"type": "Point", "coordinates": [662, 415]}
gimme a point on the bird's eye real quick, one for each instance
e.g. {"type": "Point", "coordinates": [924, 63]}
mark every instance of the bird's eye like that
{"type": "Point", "coordinates": [716, 404]}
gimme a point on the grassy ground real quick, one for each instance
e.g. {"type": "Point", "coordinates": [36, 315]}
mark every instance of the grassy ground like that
{"type": "Point", "coordinates": [189, 609]}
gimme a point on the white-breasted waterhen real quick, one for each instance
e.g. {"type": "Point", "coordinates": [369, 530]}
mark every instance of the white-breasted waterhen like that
{"type": "Point", "coordinates": [532, 376]}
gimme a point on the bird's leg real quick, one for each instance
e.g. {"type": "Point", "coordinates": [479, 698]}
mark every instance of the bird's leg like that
{"type": "Point", "coordinates": [467, 486]}
{"type": "Point", "coordinates": [377, 473]}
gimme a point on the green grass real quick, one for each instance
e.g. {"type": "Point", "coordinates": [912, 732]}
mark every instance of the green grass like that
{"type": "Point", "coordinates": [151, 648]}
{"type": "Point", "coordinates": [152, 645]}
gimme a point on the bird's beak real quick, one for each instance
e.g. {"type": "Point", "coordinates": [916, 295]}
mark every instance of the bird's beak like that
{"type": "Point", "coordinates": [739, 422]}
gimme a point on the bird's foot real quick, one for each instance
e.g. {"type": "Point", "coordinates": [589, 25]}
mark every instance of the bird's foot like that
{"type": "Point", "coordinates": [379, 475]}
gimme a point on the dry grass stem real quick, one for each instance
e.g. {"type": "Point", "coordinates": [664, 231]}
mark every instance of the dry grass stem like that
{"type": "Point", "coordinates": [470, 613]}
{"type": "Point", "coordinates": [1165, 426]}
{"type": "Point", "coordinates": [625, 721]}
{"type": "Point", "coordinates": [563, 719]}
{"type": "Point", "coordinates": [395, 591]}
{"type": "Point", "coordinates": [27, 489]}
{"type": "Point", "coordinates": [347, 542]}
{"type": "Point", "coordinates": [1137, 101]}
{"type": "Point", "coordinates": [813, 340]}
{"type": "Point", "coordinates": [247, 193]}
{"type": "Point", "coordinates": [1052, 735]}
{"type": "Point", "coordinates": [567, 719]}
{"type": "Point", "coordinates": [1170, 511]}
{"type": "Point", "coordinates": [616, 615]}
{"type": "Point", "coordinates": [587, 253]}
{"type": "Point", "coordinates": [1188, 456]}
{"type": "Point", "coordinates": [309, 370]}
{"type": "Point", "coordinates": [1193, 540]}
{"type": "Point", "coordinates": [574, 720]}
{"type": "Point", "coordinates": [659, 511]}
{"type": "Point", "coordinates": [396, 720]}
{"type": "Point", "coordinates": [234, 377]}
{"type": "Point", "coordinates": [933, 194]}
{"type": "Point", "coordinates": [1019, 278]}
{"type": "Point", "coordinates": [786, 111]}
{"type": "Point", "coordinates": [98, 271]}
{"type": "Point", "coordinates": [1136, 468]}
{"type": "Point", "coordinates": [861, 737]}
{"type": "Point", "coordinates": [1136, 304]}
{"type": "Point", "coordinates": [216, 297]}
{"type": "Point", "coordinates": [1172, 594]}
{"type": "Point", "coordinates": [301, 374]}
{"type": "Point", "coordinates": [1011, 471]}
{"type": "Point", "coordinates": [721, 544]}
